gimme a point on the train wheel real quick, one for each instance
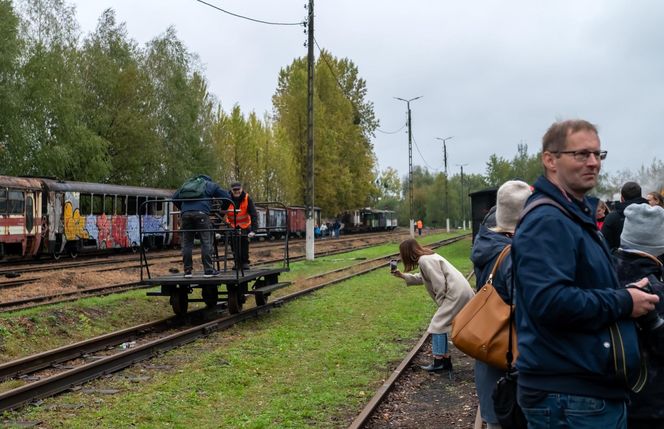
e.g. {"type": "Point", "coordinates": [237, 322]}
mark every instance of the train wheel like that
{"type": "Point", "coordinates": [56, 255]}
{"type": "Point", "coordinates": [210, 296]}
{"type": "Point", "coordinates": [234, 301]}
{"type": "Point", "coordinates": [179, 302]}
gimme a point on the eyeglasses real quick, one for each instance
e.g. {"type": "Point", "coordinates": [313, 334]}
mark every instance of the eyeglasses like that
{"type": "Point", "coordinates": [236, 189]}
{"type": "Point", "coordinates": [583, 155]}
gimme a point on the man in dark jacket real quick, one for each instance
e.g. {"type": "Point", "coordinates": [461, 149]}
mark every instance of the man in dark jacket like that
{"type": "Point", "coordinates": [195, 218]}
{"type": "Point", "coordinates": [243, 217]}
{"type": "Point", "coordinates": [630, 193]}
{"type": "Point", "coordinates": [568, 296]}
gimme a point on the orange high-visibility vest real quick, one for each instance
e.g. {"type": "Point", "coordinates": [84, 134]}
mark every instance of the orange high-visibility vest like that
{"type": "Point", "coordinates": [241, 218]}
{"type": "Point", "coordinates": [419, 224]}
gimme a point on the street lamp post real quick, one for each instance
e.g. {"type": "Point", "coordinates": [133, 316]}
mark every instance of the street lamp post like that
{"type": "Point", "coordinates": [410, 164]}
{"type": "Point", "coordinates": [463, 211]}
{"type": "Point", "coordinates": [447, 200]}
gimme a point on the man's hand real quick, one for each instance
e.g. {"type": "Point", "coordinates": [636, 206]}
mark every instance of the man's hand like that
{"type": "Point", "coordinates": [251, 234]}
{"type": "Point", "coordinates": [642, 302]}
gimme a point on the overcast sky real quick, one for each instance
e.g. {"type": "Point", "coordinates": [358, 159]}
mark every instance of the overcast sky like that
{"type": "Point", "coordinates": [492, 73]}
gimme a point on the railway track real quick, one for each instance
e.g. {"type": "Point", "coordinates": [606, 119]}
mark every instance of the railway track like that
{"type": "Point", "coordinates": [368, 414]}
{"type": "Point", "coordinates": [119, 359]}
{"type": "Point", "coordinates": [13, 268]}
{"type": "Point", "coordinates": [35, 301]}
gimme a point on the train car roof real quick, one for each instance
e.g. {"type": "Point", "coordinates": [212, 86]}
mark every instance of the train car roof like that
{"type": "Point", "coordinates": [102, 188]}
{"type": "Point", "coordinates": [20, 182]}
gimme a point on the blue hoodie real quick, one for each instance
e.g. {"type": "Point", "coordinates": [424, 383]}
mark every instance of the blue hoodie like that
{"type": "Point", "coordinates": [204, 204]}
{"type": "Point", "coordinates": [567, 297]}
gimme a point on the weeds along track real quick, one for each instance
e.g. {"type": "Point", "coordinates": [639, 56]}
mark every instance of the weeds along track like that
{"type": "Point", "coordinates": [25, 298]}
{"type": "Point", "coordinates": [58, 370]}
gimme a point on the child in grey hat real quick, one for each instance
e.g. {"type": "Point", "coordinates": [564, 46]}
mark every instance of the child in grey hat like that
{"type": "Point", "coordinates": [640, 255]}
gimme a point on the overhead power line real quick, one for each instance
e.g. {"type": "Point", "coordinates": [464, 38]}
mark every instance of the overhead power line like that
{"type": "Point", "coordinates": [260, 21]}
{"type": "Point", "coordinates": [343, 90]}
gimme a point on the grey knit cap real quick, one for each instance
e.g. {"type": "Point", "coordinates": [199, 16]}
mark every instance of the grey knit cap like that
{"type": "Point", "coordinates": [643, 229]}
{"type": "Point", "coordinates": [511, 198]}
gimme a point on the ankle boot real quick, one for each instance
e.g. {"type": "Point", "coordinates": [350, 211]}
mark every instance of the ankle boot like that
{"type": "Point", "coordinates": [437, 365]}
{"type": "Point", "coordinates": [446, 363]}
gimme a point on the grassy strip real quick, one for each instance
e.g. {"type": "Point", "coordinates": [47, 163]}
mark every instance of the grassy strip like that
{"type": "Point", "coordinates": [312, 363]}
{"type": "Point", "coordinates": [24, 332]}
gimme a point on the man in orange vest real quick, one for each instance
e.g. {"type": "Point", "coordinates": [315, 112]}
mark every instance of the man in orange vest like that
{"type": "Point", "coordinates": [419, 227]}
{"type": "Point", "coordinates": [241, 215]}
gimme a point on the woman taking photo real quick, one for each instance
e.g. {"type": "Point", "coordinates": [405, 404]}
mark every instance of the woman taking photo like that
{"type": "Point", "coordinates": [446, 286]}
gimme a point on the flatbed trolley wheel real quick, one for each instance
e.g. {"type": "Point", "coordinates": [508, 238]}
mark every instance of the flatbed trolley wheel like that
{"type": "Point", "coordinates": [210, 295]}
{"type": "Point", "coordinates": [180, 301]}
{"type": "Point", "coordinates": [234, 300]}
{"type": "Point", "coordinates": [261, 299]}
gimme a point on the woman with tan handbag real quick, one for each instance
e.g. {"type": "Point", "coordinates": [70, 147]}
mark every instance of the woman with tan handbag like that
{"type": "Point", "coordinates": [446, 286]}
{"type": "Point", "coordinates": [489, 243]}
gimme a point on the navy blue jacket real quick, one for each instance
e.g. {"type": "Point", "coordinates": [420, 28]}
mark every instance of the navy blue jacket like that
{"type": "Point", "coordinates": [486, 248]}
{"type": "Point", "coordinates": [204, 205]}
{"type": "Point", "coordinates": [567, 296]}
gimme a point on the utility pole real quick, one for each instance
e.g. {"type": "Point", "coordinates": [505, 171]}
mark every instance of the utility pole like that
{"type": "Point", "coordinates": [447, 199]}
{"type": "Point", "coordinates": [463, 210]}
{"type": "Point", "coordinates": [310, 135]}
{"type": "Point", "coordinates": [410, 165]}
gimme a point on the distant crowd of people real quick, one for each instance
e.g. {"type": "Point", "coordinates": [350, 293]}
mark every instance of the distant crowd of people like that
{"type": "Point", "coordinates": [588, 285]}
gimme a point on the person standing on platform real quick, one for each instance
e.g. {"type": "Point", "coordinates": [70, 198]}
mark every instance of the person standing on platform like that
{"type": "Point", "coordinates": [578, 346]}
{"type": "Point", "coordinates": [488, 244]}
{"type": "Point", "coordinates": [194, 199]}
{"type": "Point", "coordinates": [241, 215]}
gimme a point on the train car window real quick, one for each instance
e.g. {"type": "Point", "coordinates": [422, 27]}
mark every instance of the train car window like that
{"type": "Point", "coordinates": [85, 204]}
{"type": "Point", "coordinates": [15, 202]}
{"type": "Point", "coordinates": [143, 209]}
{"type": "Point", "coordinates": [3, 201]}
{"type": "Point", "coordinates": [131, 206]}
{"type": "Point", "coordinates": [29, 218]}
{"type": "Point", "coordinates": [109, 202]}
{"type": "Point", "coordinates": [97, 204]}
{"type": "Point", "coordinates": [157, 208]}
{"type": "Point", "coordinates": [120, 205]}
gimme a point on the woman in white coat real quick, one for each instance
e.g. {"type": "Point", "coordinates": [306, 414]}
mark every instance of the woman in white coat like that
{"type": "Point", "coordinates": [446, 286]}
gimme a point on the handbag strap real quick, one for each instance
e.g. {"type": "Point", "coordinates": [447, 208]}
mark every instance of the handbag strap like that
{"type": "Point", "coordinates": [499, 261]}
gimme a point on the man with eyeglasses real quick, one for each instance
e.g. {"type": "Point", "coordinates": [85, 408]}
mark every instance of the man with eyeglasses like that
{"type": "Point", "coordinates": [630, 193]}
{"type": "Point", "coordinates": [578, 349]}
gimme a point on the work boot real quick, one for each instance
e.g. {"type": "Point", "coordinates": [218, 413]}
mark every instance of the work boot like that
{"type": "Point", "coordinates": [437, 365]}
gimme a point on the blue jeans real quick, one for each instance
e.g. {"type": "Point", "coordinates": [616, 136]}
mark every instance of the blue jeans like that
{"type": "Point", "coordinates": [193, 222]}
{"type": "Point", "coordinates": [439, 344]}
{"type": "Point", "coordinates": [558, 410]}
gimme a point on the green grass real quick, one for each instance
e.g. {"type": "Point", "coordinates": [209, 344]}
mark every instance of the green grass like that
{"type": "Point", "coordinates": [312, 363]}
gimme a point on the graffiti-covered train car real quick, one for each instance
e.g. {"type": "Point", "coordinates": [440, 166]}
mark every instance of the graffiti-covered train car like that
{"type": "Point", "coordinates": [46, 216]}
{"type": "Point", "coordinates": [94, 216]}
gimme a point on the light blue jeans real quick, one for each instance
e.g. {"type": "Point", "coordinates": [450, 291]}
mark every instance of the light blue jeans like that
{"type": "Point", "coordinates": [557, 411]}
{"type": "Point", "coordinates": [439, 344]}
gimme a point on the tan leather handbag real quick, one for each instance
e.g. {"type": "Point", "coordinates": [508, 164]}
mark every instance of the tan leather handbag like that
{"type": "Point", "coordinates": [481, 328]}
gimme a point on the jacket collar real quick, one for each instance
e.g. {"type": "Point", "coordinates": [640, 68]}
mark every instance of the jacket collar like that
{"type": "Point", "coordinates": [581, 211]}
